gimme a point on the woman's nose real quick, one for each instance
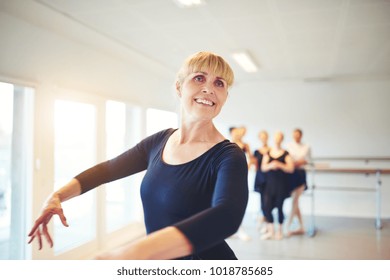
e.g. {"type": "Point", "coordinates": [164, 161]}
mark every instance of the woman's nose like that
{"type": "Point", "coordinates": [207, 88]}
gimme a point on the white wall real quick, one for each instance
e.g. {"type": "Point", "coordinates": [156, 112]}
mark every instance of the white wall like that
{"type": "Point", "coordinates": [338, 118]}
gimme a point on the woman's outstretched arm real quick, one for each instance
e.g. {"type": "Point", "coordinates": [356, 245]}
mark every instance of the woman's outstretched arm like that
{"type": "Point", "coordinates": [53, 207]}
{"type": "Point", "coordinates": [164, 244]}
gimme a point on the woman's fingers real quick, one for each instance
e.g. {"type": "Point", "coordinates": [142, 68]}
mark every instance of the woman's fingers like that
{"type": "Point", "coordinates": [41, 224]}
{"type": "Point", "coordinates": [37, 233]}
{"type": "Point", "coordinates": [34, 228]}
{"type": "Point", "coordinates": [39, 239]}
{"type": "Point", "coordinates": [62, 217]}
{"type": "Point", "coordinates": [31, 238]}
{"type": "Point", "coordinates": [47, 235]}
{"type": "Point", "coordinates": [44, 218]}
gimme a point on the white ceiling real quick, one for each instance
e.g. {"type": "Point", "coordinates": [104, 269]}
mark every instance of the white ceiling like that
{"type": "Point", "coordinates": [289, 39]}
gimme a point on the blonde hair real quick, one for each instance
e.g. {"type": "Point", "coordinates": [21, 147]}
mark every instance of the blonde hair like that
{"type": "Point", "coordinates": [279, 133]}
{"type": "Point", "coordinates": [263, 132]}
{"type": "Point", "coordinates": [206, 61]}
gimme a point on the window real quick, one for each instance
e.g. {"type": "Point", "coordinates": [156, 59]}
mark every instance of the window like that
{"type": "Point", "coordinates": [157, 120]}
{"type": "Point", "coordinates": [123, 130]}
{"type": "Point", "coordinates": [16, 103]}
{"type": "Point", "coordinates": [123, 204]}
{"type": "Point", "coordinates": [74, 151]}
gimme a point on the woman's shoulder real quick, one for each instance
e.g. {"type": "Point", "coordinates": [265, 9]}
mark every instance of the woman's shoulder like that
{"type": "Point", "coordinates": [157, 138]}
{"type": "Point", "coordinates": [162, 134]}
{"type": "Point", "coordinates": [261, 151]}
{"type": "Point", "coordinates": [284, 153]}
{"type": "Point", "coordinates": [228, 149]}
{"type": "Point", "coordinates": [228, 154]}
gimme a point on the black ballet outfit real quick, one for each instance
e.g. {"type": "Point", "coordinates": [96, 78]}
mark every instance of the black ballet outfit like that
{"type": "Point", "coordinates": [260, 179]}
{"type": "Point", "coordinates": [260, 175]}
{"type": "Point", "coordinates": [276, 190]}
{"type": "Point", "coordinates": [297, 179]}
{"type": "Point", "coordinates": [204, 198]}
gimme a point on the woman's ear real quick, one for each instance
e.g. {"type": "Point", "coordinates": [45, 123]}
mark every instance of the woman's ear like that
{"type": "Point", "coordinates": [178, 89]}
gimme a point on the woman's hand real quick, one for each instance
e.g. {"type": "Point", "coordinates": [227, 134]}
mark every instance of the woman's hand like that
{"type": "Point", "coordinates": [53, 207]}
{"type": "Point", "coordinates": [275, 165]}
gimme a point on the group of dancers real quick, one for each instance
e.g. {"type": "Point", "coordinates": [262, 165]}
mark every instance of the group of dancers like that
{"type": "Point", "coordinates": [280, 174]}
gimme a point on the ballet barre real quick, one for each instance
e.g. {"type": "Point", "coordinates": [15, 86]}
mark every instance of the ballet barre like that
{"type": "Point", "coordinates": [365, 159]}
{"type": "Point", "coordinates": [313, 170]}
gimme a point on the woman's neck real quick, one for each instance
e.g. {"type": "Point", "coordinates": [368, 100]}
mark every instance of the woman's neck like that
{"type": "Point", "coordinates": [202, 131]}
{"type": "Point", "coordinates": [277, 147]}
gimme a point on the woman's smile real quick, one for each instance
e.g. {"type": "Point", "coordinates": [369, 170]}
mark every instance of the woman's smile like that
{"type": "Point", "coordinates": [204, 101]}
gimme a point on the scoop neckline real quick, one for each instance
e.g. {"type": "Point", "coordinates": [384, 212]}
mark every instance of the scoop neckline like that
{"type": "Point", "coordinates": [190, 161]}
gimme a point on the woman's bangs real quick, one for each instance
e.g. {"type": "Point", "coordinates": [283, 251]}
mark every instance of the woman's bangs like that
{"type": "Point", "coordinates": [213, 64]}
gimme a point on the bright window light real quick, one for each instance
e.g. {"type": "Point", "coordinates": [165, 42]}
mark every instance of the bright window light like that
{"type": "Point", "coordinates": [123, 203]}
{"type": "Point", "coordinates": [74, 151]}
{"type": "Point", "coordinates": [245, 61]}
{"type": "Point", "coordinates": [189, 3]}
{"type": "Point", "coordinates": [157, 120]}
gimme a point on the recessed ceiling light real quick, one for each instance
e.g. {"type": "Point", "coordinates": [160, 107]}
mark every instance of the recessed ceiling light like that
{"type": "Point", "coordinates": [189, 3]}
{"type": "Point", "coordinates": [245, 61]}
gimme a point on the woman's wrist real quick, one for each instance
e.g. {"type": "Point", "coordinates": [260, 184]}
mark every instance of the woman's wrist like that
{"type": "Point", "coordinates": [54, 198]}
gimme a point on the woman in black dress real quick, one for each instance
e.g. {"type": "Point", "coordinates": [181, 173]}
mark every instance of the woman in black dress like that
{"type": "Point", "coordinates": [259, 185]}
{"type": "Point", "coordinates": [277, 164]}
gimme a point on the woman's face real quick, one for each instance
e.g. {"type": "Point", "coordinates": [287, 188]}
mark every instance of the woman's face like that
{"type": "Point", "coordinates": [203, 95]}
{"type": "Point", "coordinates": [235, 134]}
{"type": "Point", "coordinates": [242, 131]}
{"type": "Point", "coordinates": [278, 138]}
{"type": "Point", "coordinates": [263, 137]}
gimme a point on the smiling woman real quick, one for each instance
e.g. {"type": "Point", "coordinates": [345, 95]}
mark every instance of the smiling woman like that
{"type": "Point", "coordinates": [203, 80]}
{"type": "Point", "coordinates": [195, 189]}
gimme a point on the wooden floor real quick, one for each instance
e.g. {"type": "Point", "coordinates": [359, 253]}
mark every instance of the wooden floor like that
{"type": "Point", "coordinates": [335, 239]}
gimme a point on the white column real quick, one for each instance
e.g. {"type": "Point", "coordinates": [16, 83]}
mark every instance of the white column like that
{"type": "Point", "coordinates": [21, 170]}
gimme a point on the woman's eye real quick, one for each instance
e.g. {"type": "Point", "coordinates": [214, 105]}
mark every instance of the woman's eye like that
{"type": "Point", "coordinates": [199, 78]}
{"type": "Point", "coordinates": [219, 83]}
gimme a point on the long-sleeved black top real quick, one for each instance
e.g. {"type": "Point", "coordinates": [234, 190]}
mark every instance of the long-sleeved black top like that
{"type": "Point", "coordinates": [204, 198]}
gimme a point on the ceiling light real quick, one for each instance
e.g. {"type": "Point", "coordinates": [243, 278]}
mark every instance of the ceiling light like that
{"type": "Point", "coordinates": [189, 3]}
{"type": "Point", "coordinates": [245, 61]}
